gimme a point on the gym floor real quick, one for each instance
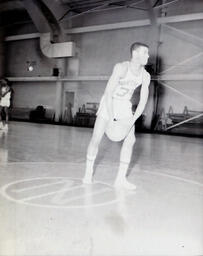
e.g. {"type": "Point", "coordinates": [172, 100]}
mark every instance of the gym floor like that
{"type": "Point", "coordinates": [47, 211]}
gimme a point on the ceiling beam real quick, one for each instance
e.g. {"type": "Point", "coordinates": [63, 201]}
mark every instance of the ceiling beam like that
{"type": "Point", "coordinates": [37, 16]}
{"type": "Point", "coordinates": [165, 4]}
{"type": "Point", "coordinates": [151, 12]}
{"type": "Point", "coordinates": [120, 25]}
{"type": "Point", "coordinates": [136, 23]}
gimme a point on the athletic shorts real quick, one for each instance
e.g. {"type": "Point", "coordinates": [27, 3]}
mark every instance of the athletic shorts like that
{"type": "Point", "coordinates": [121, 109]}
{"type": "Point", "coordinates": [5, 104]}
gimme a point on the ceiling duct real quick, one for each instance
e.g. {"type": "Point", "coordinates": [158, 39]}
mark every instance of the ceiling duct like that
{"type": "Point", "coordinates": [47, 24]}
{"type": "Point", "coordinates": [56, 50]}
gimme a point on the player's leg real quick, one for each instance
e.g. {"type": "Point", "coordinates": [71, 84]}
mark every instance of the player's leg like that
{"type": "Point", "coordinates": [1, 123]}
{"type": "Point", "coordinates": [7, 117]}
{"type": "Point", "coordinates": [125, 157]}
{"type": "Point", "coordinates": [98, 132]}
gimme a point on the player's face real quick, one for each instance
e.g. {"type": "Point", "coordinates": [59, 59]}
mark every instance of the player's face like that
{"type": "Point", "coordinates": [143, 55]}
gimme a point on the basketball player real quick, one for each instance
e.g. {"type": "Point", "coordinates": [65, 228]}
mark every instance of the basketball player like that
{"type": "Point", "coordinates": [5, 95]}
{"type": "Point", "coordinates": [116, 105]}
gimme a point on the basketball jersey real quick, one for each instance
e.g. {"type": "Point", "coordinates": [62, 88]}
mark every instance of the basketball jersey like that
{"type": "Point", "coordinates": [127, 84]}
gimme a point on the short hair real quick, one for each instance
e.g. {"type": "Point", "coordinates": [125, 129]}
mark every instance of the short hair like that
{"type": "Point", "coordinates": [5, 81]}
{"type": "Point", "coordinates": [137, 45]}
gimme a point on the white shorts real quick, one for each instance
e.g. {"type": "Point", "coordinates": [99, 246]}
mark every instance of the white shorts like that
{"type": "Point", "coordinates": [121, 109]}
{"type": "Point", "coordinates": [5, 104]}
{"type": "Point", "coordinates": [5, 101]}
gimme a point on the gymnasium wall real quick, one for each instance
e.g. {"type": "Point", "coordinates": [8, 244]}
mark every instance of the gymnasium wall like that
{"type": "Point", "coordinates": [180, 54]}
{"type": "Point", "coordinates": [19, 53]}
{"type": "Point", "coordinates": [99, 51]}
{"type": "Point", "coordinates": [32, 94]}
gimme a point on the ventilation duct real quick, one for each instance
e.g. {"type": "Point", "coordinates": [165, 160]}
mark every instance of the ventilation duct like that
{"type": "Point", "coordinates": [56, 50]}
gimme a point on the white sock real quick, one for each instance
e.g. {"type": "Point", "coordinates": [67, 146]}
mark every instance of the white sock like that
{"type": "Point", "coordinates": [122, 171]}
{"type": "Point", "coordinates": [89, 170]}
{"type": "Point", "coordinates": [121, 180]}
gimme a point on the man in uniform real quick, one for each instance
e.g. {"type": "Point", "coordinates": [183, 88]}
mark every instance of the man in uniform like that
{"type": "Point", "coordinates": [116, 105]}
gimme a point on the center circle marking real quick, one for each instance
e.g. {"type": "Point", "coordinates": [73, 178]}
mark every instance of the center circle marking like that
{"type": "Point", "coordinates": [59, 192]}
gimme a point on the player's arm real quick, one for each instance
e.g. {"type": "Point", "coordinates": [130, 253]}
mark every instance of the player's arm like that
{"type": "Point", "coordinates": [144, 93]}
{"type": "Point", "coordinates": [112, 83]}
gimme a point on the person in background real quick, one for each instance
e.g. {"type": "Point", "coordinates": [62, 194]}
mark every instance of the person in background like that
{"type": "Point", "coordinates": [5, 101]}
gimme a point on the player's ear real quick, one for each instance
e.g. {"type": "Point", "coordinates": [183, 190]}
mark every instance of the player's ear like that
{"type": "Point", "coordinates": [135, 53]}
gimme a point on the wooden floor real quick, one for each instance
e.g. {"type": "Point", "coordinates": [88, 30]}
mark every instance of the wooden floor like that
{"type": "Point", "coordinates": [45, 210]}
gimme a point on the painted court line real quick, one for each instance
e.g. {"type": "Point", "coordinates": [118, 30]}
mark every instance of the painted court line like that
{"type": "Point", "coordinates": [87, 194]}
{"type": "Point", "coordinates": [44, 205]}
{"type": "Point", "coordinates": [53, 163]}
{"type": "Point", "coordinates": [174, 177]}
{"type": "Point", "coordinates": [52, 193]}
{"type": "Point", "coordinates": [36, 187]}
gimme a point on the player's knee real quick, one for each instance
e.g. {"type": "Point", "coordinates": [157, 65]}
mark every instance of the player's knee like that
{"type": "Point", "coordinates": [94, 142]}
{"type": "Point", "coordinates": [90, 157]}
{"type": "Point", "coordinates": [130, 141]}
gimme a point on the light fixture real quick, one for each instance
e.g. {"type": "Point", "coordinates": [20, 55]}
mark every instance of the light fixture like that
{"type": "Point", "coordinates": [30, 65]}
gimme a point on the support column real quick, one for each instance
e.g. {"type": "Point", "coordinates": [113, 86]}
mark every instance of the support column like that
{"type": "Point", "coordinates": [158, 68]}
{"type": "Point", "coordinates": [73, 66]}
{"type": "Point", "coordinates": [154, 44]}
{"type": "Point", "coordinates": [61, 65]}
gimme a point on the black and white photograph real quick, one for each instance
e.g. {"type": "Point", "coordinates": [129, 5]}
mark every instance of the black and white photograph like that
{"type": "Point", "coordinates": [101, 127]}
